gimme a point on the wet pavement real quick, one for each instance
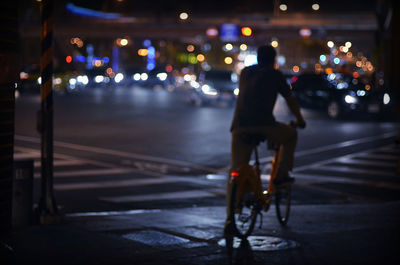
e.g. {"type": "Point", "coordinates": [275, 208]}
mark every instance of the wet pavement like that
{"type": "Point", "coordinates": [316, 234]}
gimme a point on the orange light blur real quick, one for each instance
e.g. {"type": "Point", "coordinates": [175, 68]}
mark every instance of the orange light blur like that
{"type": "Point", "coordinates": [246, 31]}
{"type": "Point", "coordinates": [367, 87]}
{"type": "Point", "coordinates": [296, 69]}
{"type": "Point", "coordinates": [143, 52]}
{"type": "Point", "coordinates": [68, 59]}
{"type": "Point", "coordinates": [109, 70]}
{"type": "Point", "coordinates": [200, 58]}
{"type": "Point", "coordinates": [328, 71]}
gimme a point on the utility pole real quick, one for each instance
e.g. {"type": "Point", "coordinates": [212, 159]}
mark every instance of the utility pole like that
{"type": "Point", "coordinates": [48, 211]}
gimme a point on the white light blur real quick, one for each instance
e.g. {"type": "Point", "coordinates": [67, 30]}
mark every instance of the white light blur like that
{"type": "Point", "coordinates": [243, 47]}
{"type": "Point", "coordinates": [236, 91]}
{"type": "Point", "coordinates": [194, 84]}
{"type": "Point", "coordinates": [39, 80]}
{"type": "Point", "coordinates": [57, 81]}
{"type": "Point", "coordinates": [209, 90]}
{"type": "Point", "coordinates": [283, 7]}
{"type": "Point", "coordinates": [118, 77]}
{"type": "Point", "coordinates": [187, 77]}
{"type": "Point", "coordinates": [348, 44]}
{"type": "Point", "coordinates": [72, 81]}
{"type": "Point", "coordinates": [183, 15]}
{"type": "Point", "coordinates": [162, 76]}
{"type": "Point", "coordinates": [350, 99]}
{"type": "Point", "coordinates": [315, 7]}
{"type": "Point", "coordinates": [136, 77]}
{"type": "Point", "coordinates": [99, 78]}
{"type": "Point", "coordinates": [144, 76]}
{"type": "Point", "coordinates": [250, 59]}
{"type": "Point", "coordinates": [330, 44]}
{"type": "Point", "coordinates": [228, 46]}
{"type": "Point", "coordinates": [386, 99]}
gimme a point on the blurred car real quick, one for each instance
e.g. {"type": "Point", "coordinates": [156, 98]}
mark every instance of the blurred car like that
{"type": "Point", "coordinates": [215, 86]}
{"type": "Point", "coordinates": [339, 94]}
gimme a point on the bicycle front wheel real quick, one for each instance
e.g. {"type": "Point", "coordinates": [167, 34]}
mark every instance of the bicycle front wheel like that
{"type": "Point", "coordinates": [243, 212]}
{"type": "Point", "coordinates": [282, 203]}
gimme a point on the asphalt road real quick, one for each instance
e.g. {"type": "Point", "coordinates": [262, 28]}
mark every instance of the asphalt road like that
{"type": "Point", "coordinates": [131, 148]}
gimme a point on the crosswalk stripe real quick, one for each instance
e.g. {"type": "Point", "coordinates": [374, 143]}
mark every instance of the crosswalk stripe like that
{"type": "Point", "coordinates": [90, 172]}
{"type": "Point", "coordinates": [26, 155]}
{"type": "Point", "coordinates": [312, 178]}
{"type": "Point", "coordinates": [57, 163]}
{"type": "Point", "coordinates": [115, 183]}
{"type": "Point", "coordinates": [352, 161]}
{"type": "Point", "coordinates": [354, 170]}
{"type": "Point", "coordinates": [191, 194]}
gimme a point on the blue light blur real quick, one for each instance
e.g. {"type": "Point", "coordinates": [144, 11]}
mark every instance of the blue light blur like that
{"type": "Point", "coordinates": [147, 43]}
{"type": "Point", "coordinates": [80, 59]}
{"type": "Point", "coordinates": [151, 55]}
{"type": "Point", "coordinates": [106, 59]}
{"type": "Point", "coordinates": [90, 13]}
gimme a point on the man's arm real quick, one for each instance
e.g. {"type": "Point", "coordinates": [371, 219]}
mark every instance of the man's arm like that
{"type": "Point", "coordinates": [294, 108]}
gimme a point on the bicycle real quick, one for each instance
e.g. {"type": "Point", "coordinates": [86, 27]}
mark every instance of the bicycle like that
{"type": "Point", "coordinates": [247, 198]}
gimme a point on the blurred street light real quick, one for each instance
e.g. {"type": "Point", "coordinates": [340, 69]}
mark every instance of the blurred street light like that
{"type": "Point", "coordinates": [183, 16]}
{"type": "Point", "coordinates": [283, 7]}
{"type": "Point", "coordinates": [315, 7]}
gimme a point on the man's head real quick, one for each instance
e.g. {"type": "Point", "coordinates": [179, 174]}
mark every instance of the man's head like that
{"type": "Point", "coordinates": [266, 55]}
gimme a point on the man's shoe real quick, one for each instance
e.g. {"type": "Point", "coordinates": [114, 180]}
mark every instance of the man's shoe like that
{"type": "Point", "coordinates": [283, 181]}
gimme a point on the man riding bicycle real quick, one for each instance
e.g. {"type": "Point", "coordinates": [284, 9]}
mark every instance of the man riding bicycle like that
{"type": "Point", "coordinates": [259, 86]}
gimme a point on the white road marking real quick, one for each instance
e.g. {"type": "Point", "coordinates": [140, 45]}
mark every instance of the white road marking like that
{"type": "Point", "coordinates": [90, 172]}
{"type": "Point", "coordinates": [113, 213]}
{"type": "Point", "coordinates": [347, 169]}
{"type": "Point", "coordinates": [190, 194]}
{"type": "Point", "coordinates": [118, 153]}
{"type": "Point", "coordinates": [311, 178]}
{"type": "Point", "coordinates": [116, 183]}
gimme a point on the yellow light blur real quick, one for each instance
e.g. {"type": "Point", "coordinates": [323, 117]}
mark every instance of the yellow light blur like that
{"type": "Point", "coordinates": [274, 43]}
{"type": "Point", "coordinates": [183, 16]}
{"type": "Point", "coordinates": [246, 31]}
{"type": "Point", "coordinates": [296, 69]}
{"type": "Point", "coordinates": [228, 60]}
{"type": "Point", "coordinates": [330, 44]}
{"type": "Point", "coordinates": [345, 49]}
{"type": "Point", "coordinates": [200, 58]}
{"type": "Point", "coordinates": [315, 7]}
{"type": "Point", "coordinates": [283, 7]}
{"type": "Point", "coordinates": [98, 63]}
{"type": "Point", "coordinates": [243, 47]}
{"type": "Point", "coordinates": [143, 52]}
{"type": "Point", "coordinates": [124, 42]}
{"type": "Point", "coordinates": [348, 44]}
{"type": "Point", "coordinates": [190, 48]}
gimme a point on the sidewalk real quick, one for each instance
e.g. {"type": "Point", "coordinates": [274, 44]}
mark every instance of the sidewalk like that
{"type": "Point", "coordinates": [323, 234]}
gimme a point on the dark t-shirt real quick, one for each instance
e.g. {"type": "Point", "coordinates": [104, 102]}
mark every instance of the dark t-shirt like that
{"type": "Point", "coordinates": [259, 87]}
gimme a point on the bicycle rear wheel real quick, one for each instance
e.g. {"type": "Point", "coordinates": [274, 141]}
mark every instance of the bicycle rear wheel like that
{"type": "Point", "coordinates": [243, 212]}
{"type": "Point", "coordinates": [282, 203]}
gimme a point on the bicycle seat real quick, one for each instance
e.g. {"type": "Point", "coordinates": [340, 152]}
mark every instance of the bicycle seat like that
{"type": "Point", "coordinates": [252, 138]}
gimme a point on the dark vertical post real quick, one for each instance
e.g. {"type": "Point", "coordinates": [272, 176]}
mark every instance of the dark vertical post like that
{"type": "Point", "coordinates": [47, 203]}
{"type": "Point", "coordinates": [9, 65]}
